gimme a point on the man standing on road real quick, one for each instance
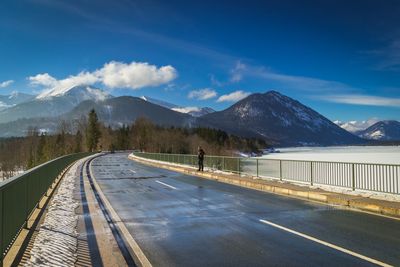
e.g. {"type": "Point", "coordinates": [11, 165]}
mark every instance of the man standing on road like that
{"type": "Point", "coordinates": [200, 155]}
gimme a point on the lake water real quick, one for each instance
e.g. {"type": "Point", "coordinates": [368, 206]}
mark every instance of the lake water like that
{"type": "Point", "coordinates": [359, 154]}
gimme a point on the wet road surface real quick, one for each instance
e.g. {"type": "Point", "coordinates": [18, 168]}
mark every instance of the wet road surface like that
{"type": "Point", "coordinates": [181, 220]}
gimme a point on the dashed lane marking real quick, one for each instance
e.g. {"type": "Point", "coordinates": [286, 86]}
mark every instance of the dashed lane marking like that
{"type": "Point", "coordinates": [167, 185]}
{"type": "Point", "coordinates": [352, 253]}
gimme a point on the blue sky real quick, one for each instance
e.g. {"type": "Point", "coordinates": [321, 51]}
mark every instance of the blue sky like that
{"type": "Point", "coordinates": [342, 58]}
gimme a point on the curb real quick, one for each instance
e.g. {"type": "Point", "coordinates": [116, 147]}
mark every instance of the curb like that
{"type": "Point", "coordinates": [134, 248]}
{"type": "Point", "coordinates": [382, 207]}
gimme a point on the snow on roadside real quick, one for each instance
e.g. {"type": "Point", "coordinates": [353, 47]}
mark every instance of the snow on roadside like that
{"type": "Point", "coordinates": [56, 242]}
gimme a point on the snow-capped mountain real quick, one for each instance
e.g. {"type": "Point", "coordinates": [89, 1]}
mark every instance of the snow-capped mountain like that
{"type": "Point", "coordinates": [52, 104]}
{"type": "Point", "coordinates": [13, 99]}
{"type": "Point", "coordinates": [383, 130]}
{"type": "Point", "coordinates": [113, 112]}
{"type": "Point", "coordinates": [278, 118]}
{"type": "Point", "coordinates": [356, 126]}
{"type": "Point", "coordinates": [194, 111]}
{"type": "Point", "coordinates": [80, 93]}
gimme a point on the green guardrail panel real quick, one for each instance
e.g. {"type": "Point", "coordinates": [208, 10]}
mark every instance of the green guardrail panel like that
{"type": "Point", "coordinates": [21, 194]}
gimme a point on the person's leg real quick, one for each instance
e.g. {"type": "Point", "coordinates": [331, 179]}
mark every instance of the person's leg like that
{"type": "Point", "coordinates": [202, 165]}
{"type": "Point", "coordinates": [199, 164]}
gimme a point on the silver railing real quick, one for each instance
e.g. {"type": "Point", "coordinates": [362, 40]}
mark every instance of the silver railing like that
{"type": "Point", "coordinates": [356, 176]}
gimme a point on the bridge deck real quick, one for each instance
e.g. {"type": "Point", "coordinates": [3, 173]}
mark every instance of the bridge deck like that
{"type": "Point", "coordinates": [181, 220]}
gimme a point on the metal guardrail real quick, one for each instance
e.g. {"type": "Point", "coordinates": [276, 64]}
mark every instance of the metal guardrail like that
{"type": "Point", "coordinates": [356, 176]}
{"type": "Point", "coordinates": [20, 195]}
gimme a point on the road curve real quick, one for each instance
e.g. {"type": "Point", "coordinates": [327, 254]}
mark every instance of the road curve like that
{"type": "Point", "coordinates": [181, 220]}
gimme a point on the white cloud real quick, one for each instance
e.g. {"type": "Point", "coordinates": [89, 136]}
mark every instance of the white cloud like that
{"type": "Point", "coordinates": [202, 94]}
{"type": "Point", "coordinates": [366, 100]}
{"type": "Point", "coordinates": [186, 109]}
{"type": "Point", "coordinates": [6, 83]}
{"type": "Point", "coordinates": [114, 74]}
{"type": "Point", "coordinates": [135, 75]}
{"type": "Point", "coordinates": [233, 97]}
{"type": "Point", "coordinates": [43, 79]}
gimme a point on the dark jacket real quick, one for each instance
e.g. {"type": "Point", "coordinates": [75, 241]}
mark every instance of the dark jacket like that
{"type": "Point", "coordinates": [201, 154]}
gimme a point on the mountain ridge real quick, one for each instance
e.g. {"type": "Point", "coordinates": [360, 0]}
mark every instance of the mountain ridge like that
{"type": "Point", "coordinates": [277, 117]}
{"type": "Point", "coordinates": [386, 130]}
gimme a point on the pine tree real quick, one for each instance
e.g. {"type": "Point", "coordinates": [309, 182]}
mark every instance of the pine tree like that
{"type": "Point", "coordinates": [40, 151]}
{"type": "Point", "coordinates": [93, 133]}
{"type": "Point", "coordinates": [78, 142]}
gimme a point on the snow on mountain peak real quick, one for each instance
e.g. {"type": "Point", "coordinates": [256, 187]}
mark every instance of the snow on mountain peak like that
{"type": "Point", "coordinates": [186, 109]}
{"type": "Point", "coordinates": [356, 126]}
{"type": "Point", "coordinates": [81, 92]}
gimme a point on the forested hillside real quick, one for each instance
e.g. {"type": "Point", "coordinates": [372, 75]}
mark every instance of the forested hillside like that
{"type": "Point", "coordinates": [88, 134]}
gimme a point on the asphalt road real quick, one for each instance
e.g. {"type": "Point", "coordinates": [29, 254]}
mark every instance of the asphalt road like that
{"type": "Point", "coordinates": [181, 220]}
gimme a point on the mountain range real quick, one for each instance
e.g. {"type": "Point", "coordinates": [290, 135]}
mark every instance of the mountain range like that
{"type": "Point", "coordinates": [356, 126]}
{"type": "Point", "coordinates": [383, 130]}
{"type": "Point", "coordinates": [51, 105]}
{"type": "Point", "coordinates": [373, 129]}
{"type": "Point", "coordinates": [271, 116]}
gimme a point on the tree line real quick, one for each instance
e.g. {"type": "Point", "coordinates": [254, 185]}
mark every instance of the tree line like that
{"type": "Point", "coordinates": [88, 134]}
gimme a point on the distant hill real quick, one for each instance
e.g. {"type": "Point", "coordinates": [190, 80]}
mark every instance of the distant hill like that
{"type": "Point", "coordinates": [383, 131]}
{"type": "Point", "coordinates": [15, 98]}
{"type": "Point", "coordinates": [20, 127]}
{"type": "Point", "coordinates": [278, 118]}
{"type": "Point", "coordinates": [356, 126]}
{"type": "Point", "coordinates": [126, 109]}
{"type": "Point", "coordinates": [52, 105]}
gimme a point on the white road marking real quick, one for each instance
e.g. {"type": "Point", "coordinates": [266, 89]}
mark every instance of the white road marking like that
{"type": "Point", "coordinates": [327, 244]}
{"type": "Point", "coordinates": [133, 171]}
{"type": "Point", "coordinates": [170, 186]}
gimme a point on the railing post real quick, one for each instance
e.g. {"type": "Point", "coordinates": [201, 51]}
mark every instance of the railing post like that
{"type": "Point", "coordinates": [311, 173]}
{"type": "Point", "coordinates": [239, 166]}
{"type": "Point", "coordinates": [223, 163]}
{"type": "Point", "coordinates": [280, 170]}
{"type": "Point", "coordinates": [353, 177]}
{"type": "Point", "coordinates": [257, 166]}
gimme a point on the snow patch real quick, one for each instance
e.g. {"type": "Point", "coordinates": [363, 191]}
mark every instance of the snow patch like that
{"type": "Point", "coordinates": [247, 110]}
{"type": "Point", "coordinates": [83, 92]}
{"type": "Point", "coordinates": [186, 109]}
{"type": "Point", "coordinates": [56, 242]}
{"type": "Point", "coordinates": [376, 135]}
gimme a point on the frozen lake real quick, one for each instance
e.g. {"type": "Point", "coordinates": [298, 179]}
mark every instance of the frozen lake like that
{"type": "Point", "coordinates": [357, 154]}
